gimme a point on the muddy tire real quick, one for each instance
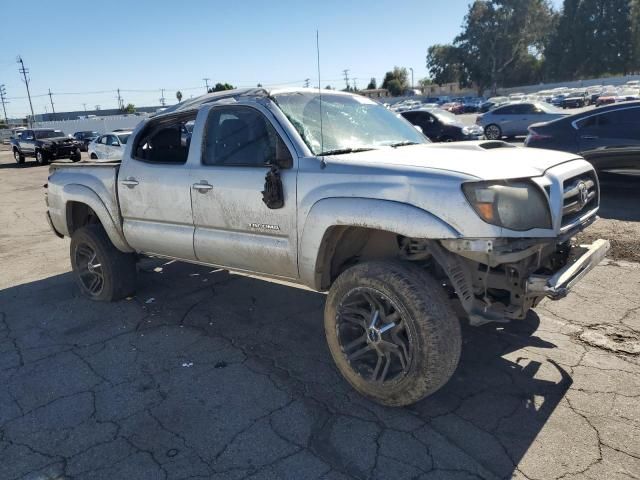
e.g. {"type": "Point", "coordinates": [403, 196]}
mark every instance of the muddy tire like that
{"type": "Point", "coordinates": [409, 348]}
{"type": "Point", "coordinates": [102, 272]}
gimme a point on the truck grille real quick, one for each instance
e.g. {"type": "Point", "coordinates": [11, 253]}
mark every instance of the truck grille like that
{"type": "Point", "coordinates": [580, 195]}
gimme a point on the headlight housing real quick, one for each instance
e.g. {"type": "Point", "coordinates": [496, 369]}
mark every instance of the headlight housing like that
{"type": "Point", "coordinates": [513, 204]}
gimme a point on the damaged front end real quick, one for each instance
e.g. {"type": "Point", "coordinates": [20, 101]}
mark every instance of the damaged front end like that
{"type": "Point", "coordinates": [497, 280]}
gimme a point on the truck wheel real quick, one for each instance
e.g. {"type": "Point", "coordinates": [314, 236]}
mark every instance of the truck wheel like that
{"type": "Point", "coordinates": [392, 331]}
{"type": "Point", "coordinates": [103, 272]}
{"type": "Point", "coordinates": [41, 158]}
{"type": "Point", "coordinates": [493, 132]}
{"type": "Point", "coordinates": [18, 156]}
{"type": "Point", "coordinates": [76, 156]}
{"type": "Point", "coordinates": [94, 156]}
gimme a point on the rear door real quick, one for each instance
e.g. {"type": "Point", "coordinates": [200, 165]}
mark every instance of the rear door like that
{"type": "Point", "coordinates": [612, 138]}
{"type": "Point", "coordinates": [154, 190]}
{"type": "Point", "coordinates": [234, 228]}
{"type": "Point", "coordinates": [504, 117]}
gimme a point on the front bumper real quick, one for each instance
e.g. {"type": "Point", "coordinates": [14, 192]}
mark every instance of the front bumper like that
{"type": "Point", "coordinates": [582, 259]}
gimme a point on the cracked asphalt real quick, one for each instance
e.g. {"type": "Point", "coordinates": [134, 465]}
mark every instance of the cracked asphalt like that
{"type": "Point", "coordinates": [206, 374]}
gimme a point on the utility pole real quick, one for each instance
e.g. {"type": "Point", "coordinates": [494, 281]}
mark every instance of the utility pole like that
{"type": "Point", "coordinates": [162, 99]}
{"type": "Point", "coordinates": [345, 72]}
{"type": "Point", "coordinates": [3, 92]}
{"type": "Point", "coordinates": [24, 72]}
{"type": "Point", "coordinates": [51, 100]}
{"type": "Point", "coordinates": [206, 84]}
{"type": "Point", "coordinates": [306, 82]}
{"type": "Point", "coordinates": [84, 105]}
{"type": "Point", "coordinates": [355, 85]}
{"type": "Point", "coordinates": [120, 103]}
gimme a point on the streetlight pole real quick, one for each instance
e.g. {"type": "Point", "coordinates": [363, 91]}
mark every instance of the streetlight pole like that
{"type": "Point", "coordinates": [412, 84]}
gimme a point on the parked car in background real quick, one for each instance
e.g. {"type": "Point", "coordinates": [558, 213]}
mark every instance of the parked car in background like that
{"type": "Point", "coordinates": [609, 137]}
{"type": "Point", "coordinates": [442, 126]}
{"type": "Point", "coordinates": [85, 138]}
{"type": "Point", "coordinates": [606, 98]}
{"type": "Point", "coordinates": [45, 145]}
{"type": "Point", "coordinates": [109, 146]}
{"type": "Point", "coordinates": [576, 100]}
{"type": "Point", "coordinates": [453, 107]}
{"type": "Point", "coordinates": [513, 119]}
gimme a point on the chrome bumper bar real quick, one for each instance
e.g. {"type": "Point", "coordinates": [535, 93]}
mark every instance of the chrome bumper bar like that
{"type": "Point", "coordinates": [581, 260]}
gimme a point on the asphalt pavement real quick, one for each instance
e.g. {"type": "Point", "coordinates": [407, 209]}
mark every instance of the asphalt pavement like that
{"type": "Point", "coordinates": [207, 374]}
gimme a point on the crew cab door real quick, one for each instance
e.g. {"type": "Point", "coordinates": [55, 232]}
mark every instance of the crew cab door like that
{"type": "Point", "coordinates": [234, 228]}
{"type": "Point", "coordinates": [154, 190]}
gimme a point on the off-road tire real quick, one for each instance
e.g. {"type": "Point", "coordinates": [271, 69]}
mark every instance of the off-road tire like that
{"type": "Point", "coordinates": [431, 324]}
{"type": "Point", "coordinates": [118, 268]}
{"type": "Point", "coordinates": [41, 158]}
{"type": "Point", "coordinates": [493, 132]}
{"type": "Point", "coordinates": [76, 157]}
{"type": "Point", "coordinates": [94, 156]}
{"type": "Point", "coordinates": [18, 157]}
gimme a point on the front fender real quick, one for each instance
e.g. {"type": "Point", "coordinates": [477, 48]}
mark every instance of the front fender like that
{"type": "Point", "coordinates": [396, 217]}
{"type": "Point", "coordinates": [82, 194]}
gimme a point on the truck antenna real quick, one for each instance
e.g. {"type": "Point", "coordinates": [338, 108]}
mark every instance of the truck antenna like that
{"type": "Point", "coordinates": [323, 165]}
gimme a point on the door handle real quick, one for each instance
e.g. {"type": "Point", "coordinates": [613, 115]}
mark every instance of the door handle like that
{"type": "Point", "coordinates": [129, 182]}
{"type": "Point", "coordinates": [588, 137]}
{"type": "Point", "coordinates": [202, 186]}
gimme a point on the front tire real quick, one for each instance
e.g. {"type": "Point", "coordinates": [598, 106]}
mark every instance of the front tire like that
{"type": "Point", "coordinates": [76, 156]}
{"type": "Point", "coordinates": [493, 132]}
{"type": "Point", "coordinates": [93, 156]}
{"type": "Point", "coordinates": [19, 158]}
{"type": "Point", "coordinates": [41, 158]}
{"type": "Point", "coordinates": [102, 272]}
{"type": "Point", "coordinates": [392, 331]}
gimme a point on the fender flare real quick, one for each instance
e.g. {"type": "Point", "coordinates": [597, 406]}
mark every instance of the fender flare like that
{"type": "Point", "coordinates": [395, 217]}
{"type": "Point", "coordinates": [82, 194]}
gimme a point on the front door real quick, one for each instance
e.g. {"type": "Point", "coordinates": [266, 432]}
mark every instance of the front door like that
{"type": "Point", "coordinates": [154, 192]}
{"type": "Point", "coordinates": [27, 142]}
{"type": "Point", "coordinates": [234, 228]}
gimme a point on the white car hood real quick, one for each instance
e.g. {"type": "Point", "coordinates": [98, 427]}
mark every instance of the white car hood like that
{"type": "Point", "coordinates": [467, 158]}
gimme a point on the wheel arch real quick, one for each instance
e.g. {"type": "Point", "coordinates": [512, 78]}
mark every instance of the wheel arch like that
{"type": "Point", "coordinates": [338, 231]}
{"type": "Point", "coordinates": [83, 206]}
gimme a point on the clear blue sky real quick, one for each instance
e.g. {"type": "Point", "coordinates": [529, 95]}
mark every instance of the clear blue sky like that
{"type": "Point", "coordinates": [80, 46]}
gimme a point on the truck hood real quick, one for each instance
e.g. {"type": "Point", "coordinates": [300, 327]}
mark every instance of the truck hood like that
{"type": "Point", "coordinates": [485, 160]}
{"type": "Point", "coordinates": [55, 140]}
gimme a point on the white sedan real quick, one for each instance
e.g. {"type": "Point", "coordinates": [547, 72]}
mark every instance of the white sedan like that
{"type": "Point", "coordinates": [109, 147]}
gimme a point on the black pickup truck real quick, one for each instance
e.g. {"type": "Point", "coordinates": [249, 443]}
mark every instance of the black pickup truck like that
{"type": "Point", "coordinates": [45, 144]}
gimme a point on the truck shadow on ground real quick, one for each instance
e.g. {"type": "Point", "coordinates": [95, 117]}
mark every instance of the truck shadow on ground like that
{"type": "Point", "coordinates": [209, 373]}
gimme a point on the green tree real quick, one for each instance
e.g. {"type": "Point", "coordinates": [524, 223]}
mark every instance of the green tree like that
{"type": "Point", "coordinates": [372, 84]}
{"type": "Point", "coordinates": [396, 81]}
{"type": "Point", "coordinates": [219, 87]}
{"type": "Point", "coordinates": [179, 96]}
{"type": "Point", "coordinates": [445, 64]}
{"type": "Point", "coordinates": [130, 108]}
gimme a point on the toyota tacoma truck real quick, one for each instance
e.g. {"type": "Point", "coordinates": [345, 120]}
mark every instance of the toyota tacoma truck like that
{"type": "Point", "coordinates": [334, 192]}
{"type": "Point", "coordinates": [45, 145]}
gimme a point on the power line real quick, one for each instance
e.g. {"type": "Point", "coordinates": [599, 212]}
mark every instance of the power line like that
{"type": "Point", "coordinates": [24, 72]}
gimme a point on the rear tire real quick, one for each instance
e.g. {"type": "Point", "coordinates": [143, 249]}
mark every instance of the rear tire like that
{"type": "Point", "coordinates": [493, 132]}
{"type": "Point", "coordinates": [414, 346]}
{"type": "Point", "coordinates": [19, 158]}
{"type": "Point", "coordinates": [102, 272]}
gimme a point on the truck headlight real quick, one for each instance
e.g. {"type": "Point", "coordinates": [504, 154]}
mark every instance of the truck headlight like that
{"type": "Point", "coordinates": [513, 204]}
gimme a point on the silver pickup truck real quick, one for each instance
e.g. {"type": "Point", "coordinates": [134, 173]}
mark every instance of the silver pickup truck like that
{"type": "Point", "coordinates": [334, 192]}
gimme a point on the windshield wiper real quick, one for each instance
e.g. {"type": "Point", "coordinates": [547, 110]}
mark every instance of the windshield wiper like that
{"type": "Point", "coordinates": [341, 151]}
{"type": "Point", "coordinates": [402, 144]}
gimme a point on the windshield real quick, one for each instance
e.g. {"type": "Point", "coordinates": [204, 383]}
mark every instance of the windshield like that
{"type": "Point", "coordinates": [49, 133]}
{"type": "Point", "coordinates": [123, 138]}
{"type": "Point", "coordinates": [444, 116]}
{"type": "Point", "coordinates": [348, 122]}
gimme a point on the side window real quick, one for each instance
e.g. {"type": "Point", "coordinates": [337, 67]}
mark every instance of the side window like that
{"type": "Point", "coordinates": [504, 110]}
{"type": "Point", "coordinates": [240, 136]}
{"type": "Point", "coordinates": [163, 140]}
{"type": "Point", "coordinates": [591, 121]}
{"type": "Point", "coordinates": [110, 139]}
{"type": "Point", "coordinates": [103, 140]}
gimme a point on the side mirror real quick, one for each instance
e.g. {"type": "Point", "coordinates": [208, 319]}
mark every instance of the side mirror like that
{"type": "Point", "coordinates": [115, 144]}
